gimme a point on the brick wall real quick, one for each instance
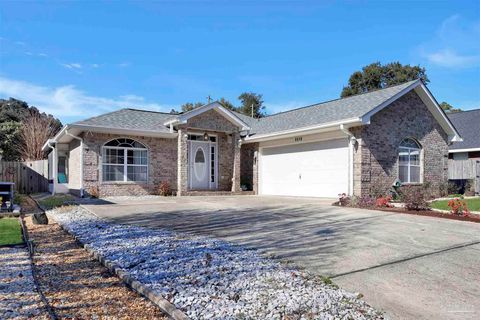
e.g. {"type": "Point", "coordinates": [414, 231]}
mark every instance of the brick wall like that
{"type": "Point", "coordinates": [248, 166]}
{"type": "Point", "coordinates": [162, 165]}
{"type": "Point", "coordinates": [376, 155]}
{"type": "Point", "coordinates": [211, 121]}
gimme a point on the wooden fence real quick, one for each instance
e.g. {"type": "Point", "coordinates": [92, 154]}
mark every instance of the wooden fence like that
{"type": "Point", "coordinates": [29, 176]}
{"type": "Point", "coordinates": [465, 170]}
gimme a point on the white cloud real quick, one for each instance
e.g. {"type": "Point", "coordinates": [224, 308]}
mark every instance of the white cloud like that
{"type": "Point", "coordinates": [20, 43]}
{"type": "Point", "coordinates": [73, 66]}
{"type": "Point", "coordinates": [449, 58]}
{"type": "Point", "coordinates": [456, 44]}
{"type": "Point", "coordinates": [124, 64]}
{"type": "Point", "coordinates": [68, 101]}
{"type": "Point", "coordinates": [95, 65]}
{"type": "Point", "coordinates": [42, 55]}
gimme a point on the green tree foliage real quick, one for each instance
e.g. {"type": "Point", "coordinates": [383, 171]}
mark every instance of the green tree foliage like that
{"type": "Point", "coordinates": [227, 104]}
{"type": "Point", "coordinates": [377, 76]}
{"type": "Point", "coordinates": [247, 100]}
{"type": "Point", "coordinates": [448, 108]}
{"type": "Point", "coordinates": [190, 106]}
{"type": "Point", "coordinates": [251, 105]}
{"type": "Point", "coordinates": [13, 113]}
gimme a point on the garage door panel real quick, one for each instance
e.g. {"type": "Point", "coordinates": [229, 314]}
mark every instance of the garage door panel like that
{"type": "Point", "coordinates": [317, 169]}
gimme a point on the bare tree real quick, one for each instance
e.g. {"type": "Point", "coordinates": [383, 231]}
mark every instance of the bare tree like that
{"type": "Point", "coordinates": [35, 131]}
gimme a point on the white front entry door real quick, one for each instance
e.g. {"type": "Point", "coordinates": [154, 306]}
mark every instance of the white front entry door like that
{"type": "Point", "coordinates": [199, 165]}
{"type": "Point", "coordinates": [317, 169]}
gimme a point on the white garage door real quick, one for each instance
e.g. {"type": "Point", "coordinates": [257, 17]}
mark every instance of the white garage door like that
{"type": "Point", "coordinates": [318, 169]}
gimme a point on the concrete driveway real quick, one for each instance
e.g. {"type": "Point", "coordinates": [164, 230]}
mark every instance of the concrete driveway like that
{"type": "Point", "coordinates": [409, 266]}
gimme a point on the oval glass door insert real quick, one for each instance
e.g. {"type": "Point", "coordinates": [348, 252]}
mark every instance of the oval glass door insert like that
{"type": "Point", "coordinates": [199, 166]}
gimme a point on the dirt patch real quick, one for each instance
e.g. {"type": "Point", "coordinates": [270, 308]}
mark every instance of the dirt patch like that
{"type": "Point", "coordinates": [76, 285]}
{"type": "Point", "coordinates": [29, 205]}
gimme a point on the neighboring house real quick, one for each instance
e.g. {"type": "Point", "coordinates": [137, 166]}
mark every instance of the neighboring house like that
{"type": "Point", "coordinates": [464, 163]}
{"type": "Point", "coordinates": [357, 145]}
{"type": "Point", "coordinates": [468, 125]}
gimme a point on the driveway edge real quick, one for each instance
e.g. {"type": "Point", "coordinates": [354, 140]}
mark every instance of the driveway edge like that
{"type": "Point", "coordinates": [164, 305]}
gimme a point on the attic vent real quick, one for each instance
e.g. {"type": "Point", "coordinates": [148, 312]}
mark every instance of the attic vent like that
{"type": "Point", "coordinates": [298, 139]}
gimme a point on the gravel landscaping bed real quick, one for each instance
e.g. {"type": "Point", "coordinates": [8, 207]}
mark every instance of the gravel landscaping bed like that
{"type": "Point", "coordinates": [19, 298]}
{"type": "Point", "coordinates": [77, 286]}
{"type": "Point", "coordinates": [212, 279]}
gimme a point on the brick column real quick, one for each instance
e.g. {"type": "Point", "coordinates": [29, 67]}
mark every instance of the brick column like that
{"type": "Point", "coordinates": [182, 162]}
{"type": "Point", "coordinates": [236, 163]}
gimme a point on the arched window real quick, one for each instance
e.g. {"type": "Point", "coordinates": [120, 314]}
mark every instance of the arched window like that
{"type": "Point", "coordinates": [409, 161]}
{"type": "Point", "coordinates": [124, 160]}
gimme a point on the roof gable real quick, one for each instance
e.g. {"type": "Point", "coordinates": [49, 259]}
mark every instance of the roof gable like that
{"type": "Point", "coordinates": [357, 109]}
{"type": "Point", "coordinates": [468, 125]}
{"type": "Point", "coordinates": [229, 115]}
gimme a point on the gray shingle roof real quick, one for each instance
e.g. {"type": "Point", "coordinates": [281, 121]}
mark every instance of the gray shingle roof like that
{"type": "Point", "coordinates": [325, 112]}
{"type": "Point", "coordinates": [467, 124]}
{"type": "Point", "coordinates": [317, 114]}
{"type": "Point", "coordinates": [132, 119]}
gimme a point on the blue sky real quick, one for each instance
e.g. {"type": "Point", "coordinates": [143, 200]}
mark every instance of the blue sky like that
{"type": "Point", "coordinates": [76, 60]}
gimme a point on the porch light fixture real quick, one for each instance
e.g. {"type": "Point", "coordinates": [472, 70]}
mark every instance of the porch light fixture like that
{"type": "Point", "coordinates": [205, 136]}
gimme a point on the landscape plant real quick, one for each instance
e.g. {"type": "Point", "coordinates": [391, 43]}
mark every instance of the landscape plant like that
{"type": "Point", "coordinates": [164, 189]}
{"type": "Point", "coordinates": [458, 207]}
{"type": "Point", "coordinates": [344, 200]}
{"type": "Point", "coordinates": [414, 198]}
{"type": "Point", "coordinates": [383, 202]}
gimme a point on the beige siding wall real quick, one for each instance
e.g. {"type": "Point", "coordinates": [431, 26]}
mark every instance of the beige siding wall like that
{"type": "Point", "coordinates": [74, 168]}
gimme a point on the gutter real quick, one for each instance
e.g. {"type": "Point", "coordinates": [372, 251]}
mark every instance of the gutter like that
{"type": "Point", "coordinates": [351, 144]}
{"type": "Point", "coordinates": [301, 131]}
{"type": "Point", "coordinates": [53, 165]}
{"type": "Point", "coordinates": [81, 160]}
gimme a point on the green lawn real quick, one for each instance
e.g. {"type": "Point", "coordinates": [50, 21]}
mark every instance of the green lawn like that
{"type": "Point", "coordinates": [10, 231]}
{"type": "Point", "coordinates": [473, 204]}
{"type": "Point", "coordinates": [55, 201]}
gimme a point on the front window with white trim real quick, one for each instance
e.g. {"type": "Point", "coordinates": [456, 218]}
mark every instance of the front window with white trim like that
{"type": "Point", "coordinates": [124, 160]}
{"type": "Point", "coordinates": [409, 161]}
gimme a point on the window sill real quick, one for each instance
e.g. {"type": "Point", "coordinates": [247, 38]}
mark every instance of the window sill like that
{"type": "Point", "coordinates": [412, 183]}
{"type": "Point", "coordinates": [124, 182]}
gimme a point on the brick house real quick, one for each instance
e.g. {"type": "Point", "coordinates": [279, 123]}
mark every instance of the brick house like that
{"type": "Point", "coordinates": [355, 145]}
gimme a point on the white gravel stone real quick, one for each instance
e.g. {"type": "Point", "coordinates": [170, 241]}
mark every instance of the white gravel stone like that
{"type": "Point", "coordinates": [18, 296]}
{"type": "Point", "coordinates": [212, 279]}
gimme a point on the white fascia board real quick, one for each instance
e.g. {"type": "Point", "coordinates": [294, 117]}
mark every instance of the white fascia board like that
{"type": "Point", "coordinates": [463, 150]}
{"type": "Point", "coordinates": [55, 138]}
{"type": "Point", "coordinates": [438, 113]}
{"type": "Point", "coordinates": [331, 126]}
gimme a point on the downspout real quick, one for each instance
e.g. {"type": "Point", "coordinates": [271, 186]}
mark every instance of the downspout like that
{"type": "Point", "coordinates": [351, 142]}
{"type": "Point", "coordinates": [81, 160]}
{"type": "Point", "coordinates": [54, 169]}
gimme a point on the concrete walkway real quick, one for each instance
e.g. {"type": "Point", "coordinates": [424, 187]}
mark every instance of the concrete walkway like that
{"type": "Point", "coordinates": [409, 266]}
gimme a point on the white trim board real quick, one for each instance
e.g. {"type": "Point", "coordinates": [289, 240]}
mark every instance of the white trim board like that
{"type": "Point", "coordinates": [463, 150]}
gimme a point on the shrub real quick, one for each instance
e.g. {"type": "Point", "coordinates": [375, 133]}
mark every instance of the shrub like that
{"type": "Point", "coordinates": [383, 202]}
{"type": "Point", "coordinates": [164, 189]}
{"type": "Point", "coordinates": [414, 198]}
{"type": "Point", "coordinates": [93, 192]}
{"type": "Point", "coordinates": [458, 207]}
{"type": "Point", "coordinates": [365, 202]}
{"type": "Point", "coordinates": [344, 200]}
{"type": "Point", "coordinates": [469, 188]}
